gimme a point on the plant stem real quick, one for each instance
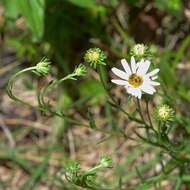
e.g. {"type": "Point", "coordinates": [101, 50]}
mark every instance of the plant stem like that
{"type": "Point", "coordinates": [149, 117]}
{"type": "Point", "coordinates": [159, 131]}
{"type": "Point", "coordinates": [142, 117]}
{"type": "Point", "coordinates": [11, 84]}
{"type": "Point", "coordinates": [140, 111]}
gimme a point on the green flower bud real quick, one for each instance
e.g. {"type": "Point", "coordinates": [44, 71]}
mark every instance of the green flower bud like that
{"type": "Point", "coordinates": [164, 113]}
{"type": "Point", "coordinates": [140, 51]}
{"type": "Point", "coordinates": [73, 167]}
{"type": "Point", "coordinates": [80, 70]}
{"type": "Point", "coordinates": [43, 67]}
{"type": "Point", "coordinates": [95, 56]}
{"type": "Point", "coordinates": [106, 161]}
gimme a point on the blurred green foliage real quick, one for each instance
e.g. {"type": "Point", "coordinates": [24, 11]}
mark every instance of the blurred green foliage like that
{"type": "Point", "coordinates": [173, 7]}
{"type": "Point", "coordinates": [32, 11]}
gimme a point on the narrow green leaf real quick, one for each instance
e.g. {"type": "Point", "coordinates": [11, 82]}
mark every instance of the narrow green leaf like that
{"type": "Point", "coordinates": [84, 3]}
{"type": "Point", "coordinates": [11, 10]}
{"type": "Point", "coordinates": [36, 175]}
{"type": "Point", "coordinates": [33, 12]}
{"type": "Point", "coordinates": [91, 119]}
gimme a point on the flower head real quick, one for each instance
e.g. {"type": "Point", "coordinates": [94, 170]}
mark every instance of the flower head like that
{"type": "Point", "coordinates": [95, 56]}
{"type": "Point", "coordinates": [43, 67]}
{"type": "Point", "coordinates": [106, 161]}
{"type": "Point", "coordinates": [139, 51]}
{"type": "Point", "coordinates": [135, 78]}
{"type": "Point", "coordinates": [73, 167]}
{"type": "Point", "coordinates": [80, 70]}
{"type": "Point", "coordinates": [164, 113]}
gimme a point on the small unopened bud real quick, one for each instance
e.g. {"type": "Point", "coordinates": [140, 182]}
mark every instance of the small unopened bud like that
{"type": "Point", "coordinates": [43, 67]}
{"type": "Point", "coordinates": [95, 56]}
{"type": "Point", "coordinates": [164, 113]}
{"type": "Point", "coordinates": [80, 70]}
{"type": "Point", "coordinates": [139, 51]}
{"type": "Point", "coordinates": [106, 162]}
{"type": "Point", "coordinates": [73, 167]}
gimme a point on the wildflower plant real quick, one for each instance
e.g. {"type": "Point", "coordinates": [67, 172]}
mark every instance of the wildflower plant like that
{"type": "Point", "coordinates": [118, 97]}
{"type": "Point", "coordinates": [140, 80]}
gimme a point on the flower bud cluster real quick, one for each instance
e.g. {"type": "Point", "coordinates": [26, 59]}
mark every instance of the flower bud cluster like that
{"type": "Point", "coordinates": [94, 56]}
{"type": "Point", "coordinates": [43, 67]}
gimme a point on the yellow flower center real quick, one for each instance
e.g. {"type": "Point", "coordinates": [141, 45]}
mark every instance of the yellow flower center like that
{"type": "Point", "coordinates": [93, 56]}
{"type": "Point", "coordinates": [135, 80]}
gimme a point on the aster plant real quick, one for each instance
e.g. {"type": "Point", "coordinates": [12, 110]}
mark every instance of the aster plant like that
{"type": "Point", "coordinates": [139, 81]}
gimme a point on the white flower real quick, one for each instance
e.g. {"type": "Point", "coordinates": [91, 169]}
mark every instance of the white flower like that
{"type": "Point", "coordinates": [135, 79]}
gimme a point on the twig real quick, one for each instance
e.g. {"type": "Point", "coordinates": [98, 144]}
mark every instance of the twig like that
{"type": "Point", "coordinates": [25, 122]}
{"type": "Point", "coordinates": [7, 133]}
{"type": "Point", "coordinates": [71, 145]}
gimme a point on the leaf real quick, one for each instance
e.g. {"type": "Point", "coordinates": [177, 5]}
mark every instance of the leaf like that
{"type": "Point", "coordinates": [167, 70]}
{"type": "Point", "coordinates": [91, 119]}
{"type": "Point", "coordinates": [92, 88]}
{"type": "Point", "coordinates": [184, 92]}
{"type": "Point", "coordinates": [184, 121]}
{"type": "Point", "coordinates": [33, 12]}
{"type": "Point", "coordinates": [186, 178]}
{"type": "Point", "coordinates": [181, 50]}
{"type": "Point", "coordinates": [84, 3]}
{"type": "Point", "coordinates": [12, 155]}
{"type": "Point", "coordinates": [110, 115]}
{"type": "Point", "coordinates": [174, 7]}
{"type": "Point", "coordinates": [144, 186]}
{"type": "Point", "coordinates": [178, 183]}
{"type": "Point", "coordinates": [11, 10]}
{"type": "Point", "coordinates": [36, 175]}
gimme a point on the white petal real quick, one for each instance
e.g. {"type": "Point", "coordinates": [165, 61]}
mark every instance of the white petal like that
{"type": "Point", "coordinates": [120, 82]}
{"type": "Point", "coordinates": [143, 67]}
{"type": "Point", "coordinates": [120, 73]}
{"type": "Point", "coordinates": [126, 66]}
{"type": "Point", "coordinates": [138, 63]}
{"type": "Point", "coordinates": [154, 77]}
{"type": "Point", "coordinates": [130, 90]}
{"type": "Point", "coordinates": [133, 65]}
{"type": "Point", "coordinates": [152, 73]}
{"type": "Point", "coordinates": [147, 88]}
{"type": "Point", "coordinates": [139, 94]}
{"type": "Point", "coordinates": [154, 83]}
{"type": "Point", "coordinates": [134, 91]}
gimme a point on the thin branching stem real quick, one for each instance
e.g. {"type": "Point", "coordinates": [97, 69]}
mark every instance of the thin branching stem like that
{"type": "Point", "coordinates": [147, 127]}
{"type": "Point", "coordinates": [157, 144]}
{"type": "Point", "coordinates": [149, 117]}
{"type": "Point", "coordinates": [11, 83]}
{"type": "Point", "coordinates": [140, 111]}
